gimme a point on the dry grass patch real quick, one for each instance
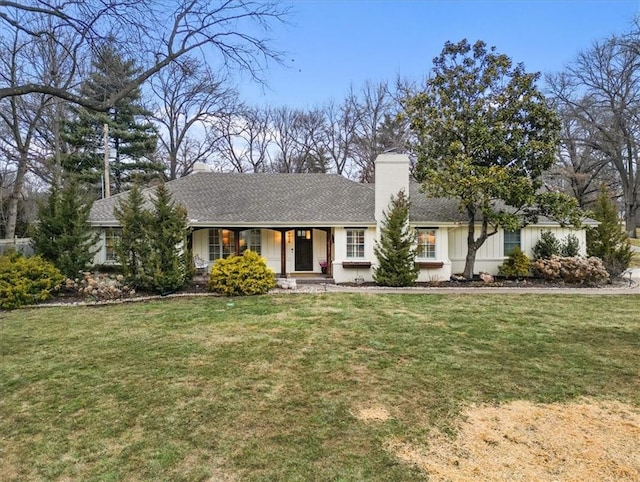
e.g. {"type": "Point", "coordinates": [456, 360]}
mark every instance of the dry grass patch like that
{"type": "Point", "coordinates": [372, 413]}
{"type": "Point", "coordinates": [586, 440]}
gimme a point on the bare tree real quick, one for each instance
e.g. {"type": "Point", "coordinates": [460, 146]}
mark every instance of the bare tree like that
{"type": "Point", "coordinates": [378, 127]}
{"type": "Point", "coordinates": [602, 88]}
{"type": "Point", "coordinates": [22, 117]}
{"type": "Point", "coordinates": [339, 135]}
{"type": "Point", "coordinates": [245, 139]}
{"type": "Point", "coordinates": [297, 137]}
{"type": "Point", "coordinates": [580, 168]}
{"type": "Point", "coordinates": [189, 99]}
{"type": "Point", "coordinates": [152, 33]}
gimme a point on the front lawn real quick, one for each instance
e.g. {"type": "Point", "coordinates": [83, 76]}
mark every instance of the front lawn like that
{"type": "Point", "coordinates": [274, 387]}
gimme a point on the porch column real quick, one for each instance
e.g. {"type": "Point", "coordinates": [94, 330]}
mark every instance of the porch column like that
{"type": "Point", "coordinates": [283, 253]}
{"type": "Point", "coordinates": [328, 253]}
{"type": "Point", "coordinates": [236, 241]}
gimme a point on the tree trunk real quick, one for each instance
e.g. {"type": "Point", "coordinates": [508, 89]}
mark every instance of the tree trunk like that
{"type": "Point", "coordinates": [14, 197]}
{"type": "Point", "coordinates": [472, 248]}
{"type": "Point", "coordinates": [470, 261]}
{"type": "Point", "coordinates": [631, 219]}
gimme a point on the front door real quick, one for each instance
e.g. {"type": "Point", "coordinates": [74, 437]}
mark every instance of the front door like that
{"type": "Point", "coordinates": [304, 250]}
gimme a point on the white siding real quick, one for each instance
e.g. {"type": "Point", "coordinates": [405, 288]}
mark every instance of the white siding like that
{"type": "Point", "coordinates": [491, 254]}
{"type": "Point", "coordinates": [349, 275]}
{"type": "Point", "coordinates": [442, 255]}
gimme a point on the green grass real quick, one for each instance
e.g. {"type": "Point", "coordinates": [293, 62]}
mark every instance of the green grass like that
{"type": "Point", "coordinates": [266, 388]}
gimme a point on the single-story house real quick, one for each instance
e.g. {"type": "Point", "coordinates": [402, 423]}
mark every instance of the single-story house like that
{"type": "Point", "coordinates": [301, 223]}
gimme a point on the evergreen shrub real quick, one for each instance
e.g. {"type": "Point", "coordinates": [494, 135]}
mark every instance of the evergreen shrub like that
{"type": "Point", "coordinates": [25, 281]}
{"type": "Point", "coordinates": [246, 274]}
{"type": "Point", "coordinates": [518, 265]}
{"type": "Point", "coordinates": [547, 246]}
{"type": "Point", "coordinates": [570, 247]}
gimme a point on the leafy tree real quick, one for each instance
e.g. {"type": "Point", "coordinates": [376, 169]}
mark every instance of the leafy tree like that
{"type": "Point", "coordinates": [484, 136]}
{"type": "Point", "coordinates": [132, 140]}
{"type": "Point", "coordinates": [396, 249]}
{"type": "Point", "coordinates": [608, 241]}
{"type": "Point", "coordinates": [62, 234]}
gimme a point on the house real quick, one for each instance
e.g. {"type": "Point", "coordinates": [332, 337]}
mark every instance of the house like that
{"type": "Point", "coordinates": [298, 221]}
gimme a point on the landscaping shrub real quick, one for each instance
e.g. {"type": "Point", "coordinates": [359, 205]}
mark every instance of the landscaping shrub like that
{"type": "Point", "coordinates": [570, 247]}
{"type": "Point", "coordinates": [573, 270]}
{"type": "Point", "coordinates": [25, 281]}
{"type": "Point", "coordinates": [100, 287]}
{"type": "Point", "coordinates": [547, 246]}
{"type": "Point", "coordinates": [517, 265]}
{"type": "Point", "coordinates": [246, 274]}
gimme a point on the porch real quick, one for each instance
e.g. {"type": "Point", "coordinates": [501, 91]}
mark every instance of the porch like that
{"type": "Point", "coordinates": [304, 253]}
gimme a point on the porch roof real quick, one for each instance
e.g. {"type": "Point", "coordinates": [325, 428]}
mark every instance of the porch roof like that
{"type": "Point", "coordinates": [262, 200]}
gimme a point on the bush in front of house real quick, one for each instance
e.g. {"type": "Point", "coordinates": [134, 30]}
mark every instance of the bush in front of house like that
{"type": "Point", "coordinates": [100, 287]}
{"type": "Point", "coordinates": [25, 281]}
{"type": "Point", "coordinates": [517, 265]}
{"type": "Point", "coordinates": [574, 270]}
{"type": "Point", "coordinates": [246, 274]}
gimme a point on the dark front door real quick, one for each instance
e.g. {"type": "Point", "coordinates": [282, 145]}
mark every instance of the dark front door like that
{"type": "Point", "coordinates": [304, 250]}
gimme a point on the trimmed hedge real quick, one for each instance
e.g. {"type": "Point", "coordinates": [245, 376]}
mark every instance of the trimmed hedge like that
{"type": "Point", "coordinates": [247, 274]}
{"type": "Point", "coordinates": [25, 281]}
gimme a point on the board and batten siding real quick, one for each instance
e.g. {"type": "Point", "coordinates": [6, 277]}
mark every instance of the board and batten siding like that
{"type": "Point", "coordinates": [491, 253]}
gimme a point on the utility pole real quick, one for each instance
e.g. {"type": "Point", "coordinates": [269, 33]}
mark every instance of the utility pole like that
{"type": "Point", "coordinates": [107, 180]}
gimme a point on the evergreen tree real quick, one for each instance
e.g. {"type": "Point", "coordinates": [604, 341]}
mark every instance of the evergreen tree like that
{"type": "Point", "coordinates": [169, 264]}
{"type": "Point", "coordinates": [62, 234]}
{"type": "Point", "coordinates": [396, 249]}
{"type": "Point", "coordinates": [151, 249]}
{"type": "Point", "coordinates": [608, 241]}
{"type": "Point", "coordinates": [132, 140]}
{"type": "Point", "coordinates": [132, 250]}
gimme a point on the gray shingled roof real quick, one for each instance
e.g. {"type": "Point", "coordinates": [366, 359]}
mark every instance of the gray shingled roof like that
{"type": "Point", "coordinates": [262, 199]}
{"type": "Point", "coordinates": [435, 210]}
{"type": "Point", "coordinates": [231, 199]}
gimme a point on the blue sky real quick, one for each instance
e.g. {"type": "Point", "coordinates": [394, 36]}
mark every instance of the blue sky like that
{"type": "Point", "coordinates": [331, 45]}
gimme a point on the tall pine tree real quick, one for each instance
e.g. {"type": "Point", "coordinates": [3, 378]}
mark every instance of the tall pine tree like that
{"type": "Point", "coordinates": [62, 233]}
{"type": "Point", "coordinates": [152, 250]}
{"type": "Point", "coordinates": [132, 140]}
{"type": "Point", "coordinates": [169, 264]}
{"type": "Point", "coordinates": [396, 251]}
{"type": "Point", "coordinates": [132, 249]}
{"type": "Point", "coordinates": [608, 241]}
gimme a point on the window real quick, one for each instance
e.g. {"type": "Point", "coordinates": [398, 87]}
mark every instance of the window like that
{"type": "Point", "coordinates": [511, 241]}
{"type": "Point", "coordinates": [112, 237]}
{"type": "Point", "coordinates": [355, 243]}
{"type": "Point", "coordinates": [251, 239]}
{"type": "Point", "coordinates": [221, 243]}
{"type": "Point", "coordinates": [426, 243]}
